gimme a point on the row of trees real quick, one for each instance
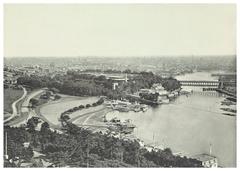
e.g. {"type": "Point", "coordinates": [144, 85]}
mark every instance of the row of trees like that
{"type": "Point", "coordinates": [81, 148]}
{"type": "Point", "coordinates": [65, 115]}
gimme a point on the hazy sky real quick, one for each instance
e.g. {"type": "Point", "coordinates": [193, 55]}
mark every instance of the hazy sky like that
{"type": "Point", "coordinates": [119, 30]}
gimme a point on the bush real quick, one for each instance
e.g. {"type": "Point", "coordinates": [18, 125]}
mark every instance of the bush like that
{"type": "Point", "coordinates": [81, 107]}
{"type": "Point", "coordinates": [88, 105]}
{"type": "Point", "coordinates": [100, 101]}
{"type": "Point", "coordinates": [34, 102]}
{"type": "Point", "coordinates": [94, 104]}
{"type": "Point", "coordinates": [57, 97]}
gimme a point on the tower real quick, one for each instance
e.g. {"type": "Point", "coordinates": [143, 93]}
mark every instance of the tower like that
{"type": "Point", "coordinates": [115, 86]}
{"type": "Point", "coordinates": [210, 149]}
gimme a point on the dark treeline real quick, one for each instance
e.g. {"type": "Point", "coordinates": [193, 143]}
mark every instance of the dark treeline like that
{"type": "Point", "coordinates": [80, 84]}
{"type": "Point", "coordinates": [78, 147]}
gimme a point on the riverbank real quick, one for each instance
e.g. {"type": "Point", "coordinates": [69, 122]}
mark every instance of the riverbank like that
{"type": "Point", "coordinates": [188, 124]}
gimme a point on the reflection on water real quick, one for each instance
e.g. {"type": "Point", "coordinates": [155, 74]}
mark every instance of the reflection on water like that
{"type": "Point", "coordinates": [189, 124]}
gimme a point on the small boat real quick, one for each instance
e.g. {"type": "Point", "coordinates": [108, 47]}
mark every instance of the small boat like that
{"type": "Point", "coordinates": [137, 109]}
{"type": "Point", "coordinates": [121, 108]}
{"type": "Point", "coordinates": [229, 114]}
{"type": "Point", "coordinates": [165, 101]}
{"type": "Point", "coordinates": [125, 127]}
{"type": "Point", "coordinates": [144, 108]}
{"type": "Point", "coordinates": [171, 95]}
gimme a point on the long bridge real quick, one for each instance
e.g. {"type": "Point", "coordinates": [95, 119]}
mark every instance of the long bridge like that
{"type": "Point", "coordinates": [218, 84]}
{"type": "Point", "coordinates": [223, 74]}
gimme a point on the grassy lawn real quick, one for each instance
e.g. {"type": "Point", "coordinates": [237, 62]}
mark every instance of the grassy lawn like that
{"type": "Point", "coordinates": [11, 95]}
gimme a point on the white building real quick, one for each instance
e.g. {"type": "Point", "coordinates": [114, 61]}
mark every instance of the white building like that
{"type": "Point", "coordinates": [207, 160]}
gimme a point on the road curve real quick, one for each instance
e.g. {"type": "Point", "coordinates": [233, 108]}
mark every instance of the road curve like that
{"type": "Point", "coordinates": [15, 112]}
{"type": "Point", "coordinates": [25, 109]}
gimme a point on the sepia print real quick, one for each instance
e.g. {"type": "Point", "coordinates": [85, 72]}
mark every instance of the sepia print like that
{"type": "Point", "coordinates": [119, 85]}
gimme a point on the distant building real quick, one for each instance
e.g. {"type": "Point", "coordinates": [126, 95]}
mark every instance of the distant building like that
{"type": "Point", "coordinates": [207, 160]}
{"type": "Point", "coordinates": [146, 91]}
{"type": "Point", "coordinates": [115, 85]}
{"type": "Point", "coordinates": [9, 78]}
{"type": "Point", "coordinates": [26, 144]}
{"type": "Point", "coordinates": [117, 80]}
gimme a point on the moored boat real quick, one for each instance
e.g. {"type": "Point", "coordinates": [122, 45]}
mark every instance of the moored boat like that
{"type": "Point", "coordinates": [144, 107]}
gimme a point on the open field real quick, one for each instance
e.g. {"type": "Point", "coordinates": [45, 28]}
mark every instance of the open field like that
{"type": "Point", "coordinates": [11, 95]}
{"type": "Point", "coordinates": [52, 110]}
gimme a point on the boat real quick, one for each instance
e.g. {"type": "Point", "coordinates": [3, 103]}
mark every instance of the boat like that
{"type": "Point", "coordinates": [165, 101]}
{"type": "Point", "coordinates": [144, 107]}
{"type": "Point", "coordinates": [125, 127]}
{"type": "Point", "coordinates": [121, 108]}
{"type": "Point", "coordinates": [175, 93]}
{"type": "Point", "coordinates": [229, 110]}
{"type": "Point", "coordinates": [171, 96]}
{"type": "Point", "coordinates": [137, 109]}
{"type": "Point", "coordinates": [229, 114]}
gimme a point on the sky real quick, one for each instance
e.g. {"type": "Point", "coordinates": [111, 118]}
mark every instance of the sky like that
{"type": "Point", "coordinates": [119, 30]}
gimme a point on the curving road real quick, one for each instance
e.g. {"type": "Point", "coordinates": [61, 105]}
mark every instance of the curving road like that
{"type": "Point", "coordinates": [15, 111]}
{"type": "Point", "coordinates": [25, 112]}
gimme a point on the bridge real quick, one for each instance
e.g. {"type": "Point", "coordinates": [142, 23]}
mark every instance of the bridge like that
{"type": "Point", "coordinates": [223, 74]}
{"type": "Point", "coordinates": [218, 84]}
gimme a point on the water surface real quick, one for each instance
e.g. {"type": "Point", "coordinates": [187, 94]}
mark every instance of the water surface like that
{"type": "Point", "coordinates": [189, 124]}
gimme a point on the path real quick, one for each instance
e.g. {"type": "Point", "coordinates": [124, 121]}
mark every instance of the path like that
{"type": "Point", "coordinates": [25, 109]}
{"type": "Point", "coordinates": [15, 111]}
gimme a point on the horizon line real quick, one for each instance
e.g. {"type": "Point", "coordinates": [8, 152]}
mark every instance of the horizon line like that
{"type": "Point", "coordinates": [115, 56]}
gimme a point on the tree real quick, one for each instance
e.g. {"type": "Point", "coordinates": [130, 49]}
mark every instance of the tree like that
{"type": "Point", "coordinates": [54, 90]}
{"type": "Point", "coordinates": [27, 153]}
{"type": "Point", "coordinates": [171, 84]}
{"type": "Point", "coordinates": [65, 117]}
{"type": "Point", "coordinates": [45, 127]}
{"type": "Point", "coordinates": [168, 150]}
{"type": "Point", "coordinates": [81, 106]}
{"type": "Point", "coordinates": [45, 134]}
{"type": "Point", "coordinates": [56, 97]}
{"type": "Point", "coordinates": [100, 101]}
{"type": "Point", "coordinates": [32, 123]}
{"type": "Point", "coordinates": [34, 102]}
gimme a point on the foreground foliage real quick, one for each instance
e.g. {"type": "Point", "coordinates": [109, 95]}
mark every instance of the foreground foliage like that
{"type": "Point", "coordinates": [78, 147]}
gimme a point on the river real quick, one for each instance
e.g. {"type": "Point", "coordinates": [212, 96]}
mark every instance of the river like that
{"type": "Point", "coordinates": [189, 124]}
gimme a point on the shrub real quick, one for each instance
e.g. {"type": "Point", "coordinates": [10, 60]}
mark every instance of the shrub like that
{"type": "Point", "coordinates": [88, 105]}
